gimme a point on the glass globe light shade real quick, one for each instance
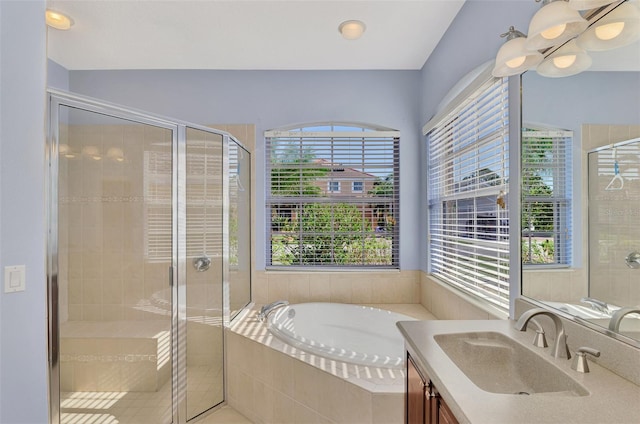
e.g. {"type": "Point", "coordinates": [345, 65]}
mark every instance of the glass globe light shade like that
{"type": "Point", "coordinates": [513, 58]}
{"type": "Point", "coordinates": [618, 28]}
{"type": "Point", "coordinates": [554, 24]}
{"type": "Point", "coordinates": [567, 60]}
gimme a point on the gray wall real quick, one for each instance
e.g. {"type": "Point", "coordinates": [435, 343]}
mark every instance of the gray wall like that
{"type": "Point", "coordinates": [57, 76]}
{"type": "Point", "coordinates": [23, 331]}
{"type": "Point", "coordinates": [272, 99]}
{"type": "Point", "coordinates": [589, 97]}
{"type": "Point", "coordinates": [472, 39]}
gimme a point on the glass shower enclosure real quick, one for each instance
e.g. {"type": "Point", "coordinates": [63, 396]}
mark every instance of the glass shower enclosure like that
{"type": "Point", "coordinates": [148, 260]}
{"type": "Point", "coordinates": [614, 233]}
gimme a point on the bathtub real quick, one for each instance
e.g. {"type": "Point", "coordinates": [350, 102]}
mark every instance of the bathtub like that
{"type": "Point", "coordinates": [355, 334]}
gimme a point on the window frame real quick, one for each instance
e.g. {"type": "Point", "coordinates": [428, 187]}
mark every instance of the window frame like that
{"type": "Point", "coordinates": [558, 172]}
{"type": "Point", "coordinates": [473, 263]}
{"type": "Point", "coordinates": [331, 188]}
{"type": "Point", "coordinates": [349, 151]}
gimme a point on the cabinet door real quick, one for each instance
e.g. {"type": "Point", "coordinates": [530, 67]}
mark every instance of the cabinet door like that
{"type": "Point", "coordinates": [416, 395]}
{"type": "Point", "coordinates": [444, 413]}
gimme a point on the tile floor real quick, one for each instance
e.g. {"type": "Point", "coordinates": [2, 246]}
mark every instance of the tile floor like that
{"type": "Point", "coordinates": [149, 407]}
{"type": "Point", "coordinates": [224, 415]}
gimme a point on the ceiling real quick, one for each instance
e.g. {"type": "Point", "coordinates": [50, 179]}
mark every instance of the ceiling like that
{"type": "Point", "coordinates": [243, 34]}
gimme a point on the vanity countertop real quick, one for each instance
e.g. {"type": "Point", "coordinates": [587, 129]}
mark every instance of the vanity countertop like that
{"type": "Point", "coordinates": [611, 398]}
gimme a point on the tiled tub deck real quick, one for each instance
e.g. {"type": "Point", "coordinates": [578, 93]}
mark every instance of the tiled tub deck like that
{"type": "Point", "coordinates": [272, 382]}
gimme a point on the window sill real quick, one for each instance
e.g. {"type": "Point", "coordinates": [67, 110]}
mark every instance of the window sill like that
{"type": "Point", "coordinates": [272, 269]}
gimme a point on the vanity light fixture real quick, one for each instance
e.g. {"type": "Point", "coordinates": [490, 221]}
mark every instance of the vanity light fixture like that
{"type": "Point", "coordinates": [568, 60]}
{"type": "Point", "coordinates": [513, 58]}
{"type": "Point", "coordinates": [554, 24]}
{"type": "Point", "coordinates": [618, 28]}
{"type": "Point", "coordinates": [352, 29]}
{"type": "Point", "coordinates": [58, 20]}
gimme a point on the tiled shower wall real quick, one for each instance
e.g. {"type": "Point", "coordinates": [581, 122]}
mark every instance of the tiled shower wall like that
{"type": "Point", "coordinates": [106, 264]}
{"type": "Point", "coordinates": [110, 268]}
{"type": "Point", "coordinates": [614, 217]}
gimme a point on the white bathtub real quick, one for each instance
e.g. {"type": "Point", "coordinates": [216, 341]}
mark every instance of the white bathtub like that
{"type": "Point", "coordinates": [350, 333]}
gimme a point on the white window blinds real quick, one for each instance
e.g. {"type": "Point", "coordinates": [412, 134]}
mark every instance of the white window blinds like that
{"type": "Point", "coordinates": [468, 171]}
{"type": "Point", "coordinates": [332, 197]}
{"type": "Point", "coordinates": [546, 196]}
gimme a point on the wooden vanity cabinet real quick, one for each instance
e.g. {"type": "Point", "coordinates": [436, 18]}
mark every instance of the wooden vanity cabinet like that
{"type": "Point", "coordinates": [423, 404]}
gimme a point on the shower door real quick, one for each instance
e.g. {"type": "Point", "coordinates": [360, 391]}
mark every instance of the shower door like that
{"type": "Point", "coordinates": [239, 213]}
{"type": "Point", "coordinates": [114, 308]}
{"type": "Point", "coordinates": [136, 265]}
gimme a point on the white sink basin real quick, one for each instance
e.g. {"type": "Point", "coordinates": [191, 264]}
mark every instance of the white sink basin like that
{"type": "Point", "coordinates": [498, 364]}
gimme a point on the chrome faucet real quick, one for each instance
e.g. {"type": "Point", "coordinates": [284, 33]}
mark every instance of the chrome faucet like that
{"type": "Point", "coordinates": [616, 318]}
{"type": "Point", "coordinates": [266, 309]}
{"type": "Point", "coordinates": [560, 348]}
{"type": "Point", "coordinates": [596, 305]}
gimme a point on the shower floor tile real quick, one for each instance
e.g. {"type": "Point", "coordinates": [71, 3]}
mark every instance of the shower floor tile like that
{"type": "Point", "coordinates": [148, 407]}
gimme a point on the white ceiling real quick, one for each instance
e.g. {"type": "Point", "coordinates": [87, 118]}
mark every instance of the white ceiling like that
{"type": "Point", "coordinates": [243, 34]}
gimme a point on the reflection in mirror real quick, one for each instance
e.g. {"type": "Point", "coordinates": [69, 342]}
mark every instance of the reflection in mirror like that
{"type": "Point", "coordinates": [239, 228]}
{"type": "Point", "coordinates": [614, 234]}
{"type": "Point", "coordinates": [570, 260]}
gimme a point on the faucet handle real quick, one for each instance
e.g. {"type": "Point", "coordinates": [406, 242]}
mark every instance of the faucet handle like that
{"type": "Point", "coordinates": [580, 363]}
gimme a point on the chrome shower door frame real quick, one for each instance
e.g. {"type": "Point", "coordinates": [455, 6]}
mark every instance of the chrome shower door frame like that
{"type": "Point", "coordinates": [177, 272]}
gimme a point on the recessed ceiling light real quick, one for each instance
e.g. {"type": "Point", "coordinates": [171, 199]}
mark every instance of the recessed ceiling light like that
{"type": "Point", "coordinates": [58, 20]}
{"type": "Point", "coordinates": [352, 30]}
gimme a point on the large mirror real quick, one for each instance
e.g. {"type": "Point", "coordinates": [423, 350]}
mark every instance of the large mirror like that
{"type": "Point", "coordinates": [581, 193]}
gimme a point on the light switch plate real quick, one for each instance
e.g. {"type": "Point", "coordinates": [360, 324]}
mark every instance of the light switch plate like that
{"type": "Point", "coordinates": [14, 278]}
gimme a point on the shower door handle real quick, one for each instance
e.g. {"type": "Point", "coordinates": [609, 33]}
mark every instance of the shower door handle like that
{"type": "Point", "coordinates": [171, 276]}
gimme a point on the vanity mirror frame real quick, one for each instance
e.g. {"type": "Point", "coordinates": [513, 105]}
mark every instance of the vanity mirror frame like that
{"type": "Point", "coordinates": [592, 16]}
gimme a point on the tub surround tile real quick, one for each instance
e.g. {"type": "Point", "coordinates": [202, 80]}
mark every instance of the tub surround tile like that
{"type": "Point", "coordinates": [319, 290]}
{"type": "Point", "coordinates": [299, 291]}
{"type": "Point", "coordinates": [280, 372]}
{"type": "Point", "coordinates": [362, 291]}
{"type": "Point", "coordinates": [357, 406]}
{"type": "Point", "coordinates": [297, 384]}
{"type": "Point", "coordinates": [278, 289]}
{"type": "Point", "coordinates": [340, 287]}
{"type": "Point", "coordinates": [447, 303]}
{"type": "Point", "coordinates": [384, 407]}
{"type": "Point", "coordinates": [303, 414]}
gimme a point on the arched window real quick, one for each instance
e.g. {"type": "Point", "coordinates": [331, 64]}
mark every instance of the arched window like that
{"type": "Point", "coordinates": [332, 196]}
